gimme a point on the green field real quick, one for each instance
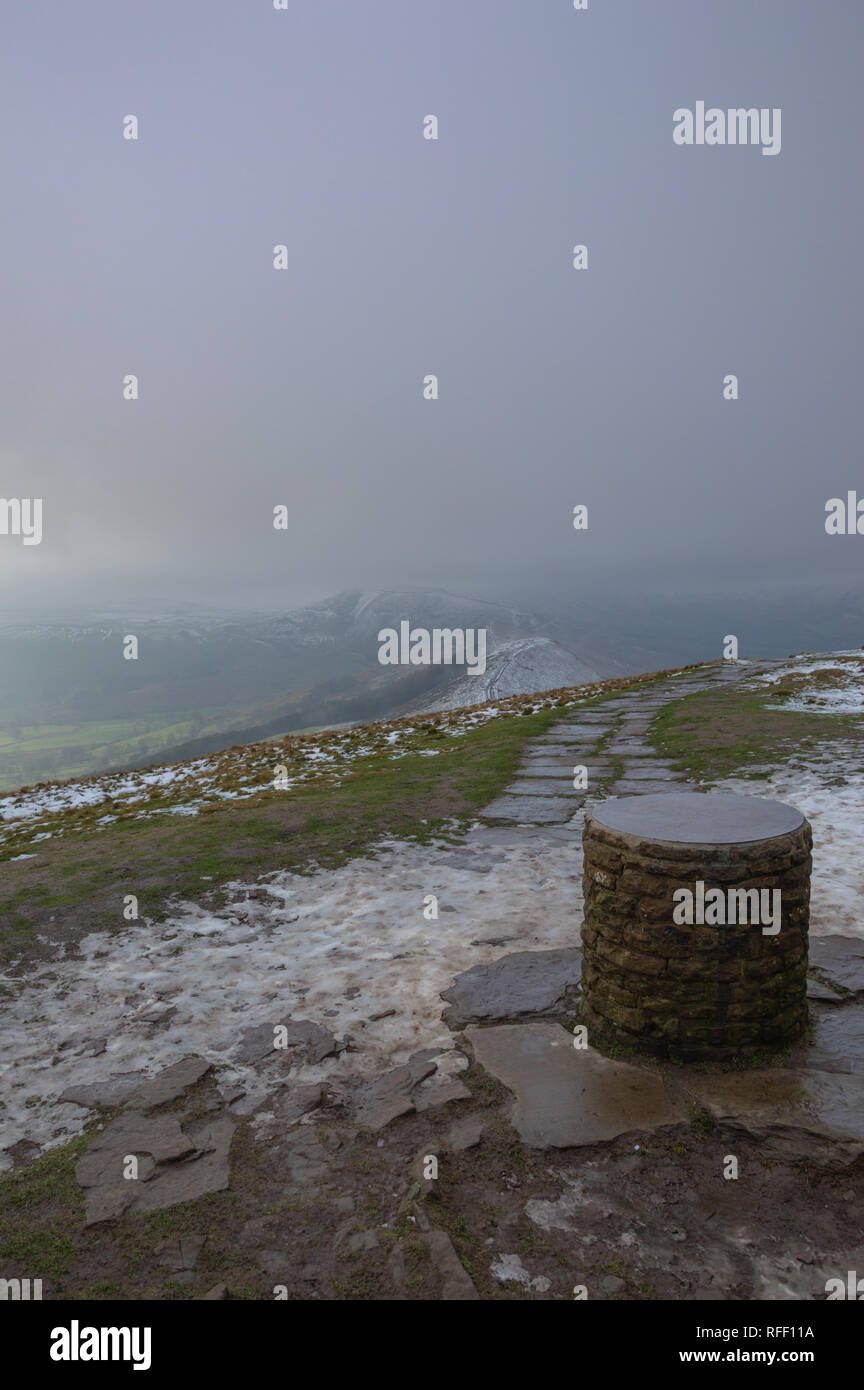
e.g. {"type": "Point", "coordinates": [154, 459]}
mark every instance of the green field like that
{"type": "Point", "coordinates": [43, 752]}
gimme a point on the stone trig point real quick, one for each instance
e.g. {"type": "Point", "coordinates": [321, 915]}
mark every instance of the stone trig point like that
{"type": "Point", "coordinates": [695, 940]}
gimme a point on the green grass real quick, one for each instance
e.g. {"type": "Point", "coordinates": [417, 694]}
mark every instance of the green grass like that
{"type": "Point", "coordinates": [40, 1206]}
{"type": "Point", "coordinates": [81, 880]}
{"type": "Point", "coordinates": [431, 784]}
{"type": "Point", "coordinates": [723, 733]}
{"type": "Point", "coordinates": [36, 752]}
{"type": "Point", "coordinates": [42, 1232]}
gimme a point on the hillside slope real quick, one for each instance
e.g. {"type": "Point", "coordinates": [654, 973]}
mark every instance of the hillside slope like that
{"type": "Point", "coordinates": [522, 666]}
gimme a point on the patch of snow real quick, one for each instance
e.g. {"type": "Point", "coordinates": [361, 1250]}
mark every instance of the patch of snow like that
{"type": "Point", "coordinates": [297, 950]}
{"type": "Point", "coordinates": [836, 814]}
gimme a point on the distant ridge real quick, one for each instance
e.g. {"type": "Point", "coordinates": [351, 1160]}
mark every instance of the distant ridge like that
{"type": "Point", "coordinates": [522, 666]}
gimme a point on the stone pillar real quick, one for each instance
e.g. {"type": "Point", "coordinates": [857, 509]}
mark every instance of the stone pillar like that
{"type": "Point", "coordinates": [704, 991]}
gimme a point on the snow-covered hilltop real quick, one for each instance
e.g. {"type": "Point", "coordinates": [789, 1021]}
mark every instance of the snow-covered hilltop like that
{"type": "Point", "coordinates": [522, 666]}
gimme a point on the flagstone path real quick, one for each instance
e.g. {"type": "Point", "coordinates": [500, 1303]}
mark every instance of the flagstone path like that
{"type": "Point", "coordinates": [608, 741]}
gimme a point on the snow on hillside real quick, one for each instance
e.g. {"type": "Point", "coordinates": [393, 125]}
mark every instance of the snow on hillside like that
{"type": "Point", "coordinates": [36, 814]}
{"type": "Point", "coordinates": [833, 683]}
{"type": "Point", "coordinates": [519, 667]}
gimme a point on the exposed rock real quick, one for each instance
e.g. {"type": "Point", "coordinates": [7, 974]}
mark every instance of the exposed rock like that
{"type": "Point", "coordinates": [214, 1295]}
{"type": "Point", "coordinates": [137, 1089]}
{"type": "Point", "coordinates": [297, 1100]}
{"type": "Point", "coordinates": [167, 1085]}
{"type": "Point", "coordinates": [380, 1101]}
{"type": "Point", "coordinates": [841, 958]}
{"type": "Point", "coordinates": [232, 1095]}
{"type": "Point", "coordinates": [813, 1115]}
{"type": "Point", "coordinates": [522, 984]}
{"type": "Point", "coordinates": [838, 1041]}
{"type": "Point", "coordinates": [536, 786]}
{"type": "Point", "coordinates": [822, 993]}
{"type": "Point", "coordinates": [570, 733]}
{"type": "Point", "coordinates": [648, 771]}
{"type": "Point", "coordinates": [439, 1090]}
{"type": "Point", "coordinates": [308, 1160]}
{"type": "Point", "coordinates": [567, 1096]}
{"type": "Point", "coordinates": [104, 1095]}
{"type": "Point", "coordinates": [633, 787]}
{"type": "Point", "coordinates": [23, 1152]}
{"type": "Point", "coordinates": [465, 1134]}
{"type": "Point", "coordinates": [456, 1283]}
{"type": "Point", "coordinates": [561, 770]}
{"type": "Point", "coordinates": [164, 1178]}
{"type": "Point", "coordinates": [535, 810]}
{"type": "Point", "coordinates": [183, 1253]}
{"type": "Point", "coordinates": [302, 1039]}
{"type": "Point", "coordinates": [100, 1169]}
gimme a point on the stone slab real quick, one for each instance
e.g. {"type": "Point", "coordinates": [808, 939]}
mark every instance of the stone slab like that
{"type": "Point", "coordinates": [499, 836]}
{"type": "Point", "coordinates": [592, 717]}
{"type": "Point", "coordinates": [169, 1084]}
{"type": "Point", "coordinates": [456, 1283]}
{"type": "Point", "coordinates": [465, 1134]}
{"type": "Point", "coordinates": [837, 1041]}
{"type": "Point", "coordinates": [173, 1165]}
{"type": "Point", "coordinates": [807, 1112]}
{"type": "Point", "coordinates": [586, 737]}
{"type": "Point", "coordinates": [699, 818]}
{"type": "Point", "coordinates": [521, 984]}
{"type": "Point", "coordinates": [302, 1038]}
{"type": "Point", "coordinates": [629, 748]}
{"type": "Point", "coordinates": [551, 752]}
{"type": "Point", "coordinates": [567, 1096]}
{"type": "Point", "coordinates": [389, 1096]}
{"type": "Point", "coordinates": [565, 768]}
{"type": "Point", "coordinates": [628, 787]}
{"type": "Point", "coordinates": [139, 1090]}
{"type": "Point", "coordinates": [647, 772]}
{"type": "Point", "coordinates": [841, 958]}
{"type": "Point", "coordinates": [104, 1095]}
{"type": "Point", "coordinates": [821, 993]}
{"type": "Point", "coordinates": [296, 1100]}
{"type": "Point", "coordinates": [538, 810]}
{"type": "Point", "coordinates": [539, 786]}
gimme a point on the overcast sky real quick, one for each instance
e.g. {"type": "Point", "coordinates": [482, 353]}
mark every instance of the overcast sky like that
{"type": "Point", "coordinates": [407, 257]}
